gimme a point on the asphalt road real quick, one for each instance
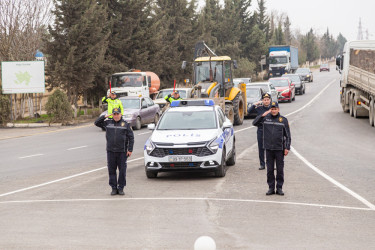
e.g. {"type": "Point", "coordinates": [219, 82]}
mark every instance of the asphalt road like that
{"type": "Point", "coordinates": [54, 189]}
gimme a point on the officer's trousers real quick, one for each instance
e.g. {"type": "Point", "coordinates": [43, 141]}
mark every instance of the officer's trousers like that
{"type": "Point", "coordinates": [260, 147]}
{"type": "Point", "coordinates": [117, 160]}
{"type": "Point", "coordinates": [272, 157]}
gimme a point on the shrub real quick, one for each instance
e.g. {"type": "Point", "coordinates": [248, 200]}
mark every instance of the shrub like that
{"type": "Point", "coordinates": [58, 107]}
{"type": "Point", "coordinates": [4, 109]}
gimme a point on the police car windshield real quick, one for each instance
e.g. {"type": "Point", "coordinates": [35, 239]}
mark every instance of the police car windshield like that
{"type": "Point", "coordinates": [187, 120]}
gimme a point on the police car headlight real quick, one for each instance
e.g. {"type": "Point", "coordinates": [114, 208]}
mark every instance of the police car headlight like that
{"type": "Point", "coordinates": [149, 147]}
{"type": "Point", "coordinates": [213, 146]}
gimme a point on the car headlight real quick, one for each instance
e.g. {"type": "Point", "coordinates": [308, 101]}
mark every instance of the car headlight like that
{"type": "Point", "coordinates": [128, 116]}
{"type": "Point", "coordinates": [149, 147]}
{"type": "Point", "coordinates": [308, 76]}
{"type": "Point", "coordinates": [213, 146]}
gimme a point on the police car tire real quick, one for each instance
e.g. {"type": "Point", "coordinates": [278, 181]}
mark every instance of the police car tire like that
{"type": "Point", "coordinates": [238, 104]}
{"type": "Point", "coordinates": [232, 160]}
{"type": "Point", "coordinates": [151, 175]}
{"type": "Point", "coordinates": [220, 171]}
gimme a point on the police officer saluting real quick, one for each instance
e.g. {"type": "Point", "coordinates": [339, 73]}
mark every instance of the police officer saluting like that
{"type": "Point", "coordinates": [120, 141]}
{"type": "Point", "coordinates": [113, 102]}
{"type": "Point", "coordinates": [261, 107]}
{"type": "Point", "coordinates": [277, 139]}
{"type": "Point", "coordinates": [173, 97]}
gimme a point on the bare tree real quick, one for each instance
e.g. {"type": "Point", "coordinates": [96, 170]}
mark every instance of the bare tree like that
{"type": "Point", "coordinates": [22, 24]}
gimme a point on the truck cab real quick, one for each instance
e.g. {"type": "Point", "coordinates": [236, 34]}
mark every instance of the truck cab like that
{"type": "Point", "coordinates": [279, 63]}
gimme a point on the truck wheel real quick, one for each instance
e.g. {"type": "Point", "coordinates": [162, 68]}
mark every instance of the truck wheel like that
{"type": "Point", "coordinates": [151, 175]}
{"type": "Point", "coordinates": [351, 105]}
{"type": "Point", "coordinates": [344, 106]}
{"type": "Point", "coordinates": [229, 112]}
{"type": "Point", "coordinates": [371, 115]}
{"type": "Point", "coordinates": [355, 115]}
{"type": "Point", "coordinates": [220, 171]}
{"type": "Point", "coordinates": [232, 160]}
{"type": "Point", "coordinates": [138, 124]}
{"type": "Point", "coordinates": [238, 108]}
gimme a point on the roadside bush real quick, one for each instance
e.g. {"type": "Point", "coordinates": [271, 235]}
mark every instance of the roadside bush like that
{"type": "Point", "coordinates": [4, 109]}
{"type": "Point", "coordinates": [58, 107]}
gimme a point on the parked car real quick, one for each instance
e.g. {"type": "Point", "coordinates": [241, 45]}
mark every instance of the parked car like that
{"type": "Point", "coordinates": [324, 67]}
{"type": "Point", "coordinates": [306, 74]}
{"type": "Point", "coordinates": [139, 111]}
{"type": "Point", "coordinates": [237, 81]}
{"type": "Point", "coordinates": [253, 94]}
{"type": "Point", "coordinates": [267, 88]}
{"type": "Point", "coordinates": [184, 93]}
{"type": "Point", "coordinates": [286, 90]}
{"type": "Point", "coordinates": [298, 83]}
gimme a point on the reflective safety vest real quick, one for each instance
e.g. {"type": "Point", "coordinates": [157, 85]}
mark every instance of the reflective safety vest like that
{"type": "Point", "coordinates": [113, 103]}
{"type": "Point", "coordinates": [169, 98]}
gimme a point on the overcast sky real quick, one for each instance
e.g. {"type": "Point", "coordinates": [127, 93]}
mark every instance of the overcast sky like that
{"type": "Point", "coordinates": [339, 16]}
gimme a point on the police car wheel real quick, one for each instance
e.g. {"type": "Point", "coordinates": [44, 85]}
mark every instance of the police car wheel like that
{"type": "Point", "coordinates": [232, 160]}
{"type": "Point", "coordinates": [151, 175]}
{"type": "Point", "coordinates": [221, 171]}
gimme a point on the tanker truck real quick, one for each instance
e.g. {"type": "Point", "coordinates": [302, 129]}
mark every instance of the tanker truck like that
{"type": "Point", "coordinates": [357, 68]}
{"type": "Point", "coordinates": [135, 83]}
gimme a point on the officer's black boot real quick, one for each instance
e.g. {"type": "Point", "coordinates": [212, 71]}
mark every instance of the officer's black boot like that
{"type": "Point", "coordinates": [114, 191]}
{"type": "Point", "coordinates": [279, 191]}
{"type": "Point", "coordinates": [262, 167]}
{"type": "Point", "coordinates": [270, 191]}
{"type": "Point", "coordinates": [121, 191]}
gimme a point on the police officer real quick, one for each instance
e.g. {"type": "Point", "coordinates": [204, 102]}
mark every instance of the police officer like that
{"type": "Point", "coordinates": [120, 141]}
{"type": "Point", "coordinates": [277, 141]}
{"type": "Point", "coordinates": [261, 107]}
{"type": "Point", "coordinates": [173, 97]}
{"type": "Point", "coordinates": [113, 102]}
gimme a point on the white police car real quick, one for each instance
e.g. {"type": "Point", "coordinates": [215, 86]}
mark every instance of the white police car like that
{"type": "Point", "coordinates": [192, 135]}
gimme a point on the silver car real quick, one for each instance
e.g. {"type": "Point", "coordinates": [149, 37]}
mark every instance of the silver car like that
{"type": "Point", "coordinates": [267, 87]}
{"type": "Point", "coordinates": [184, 94]}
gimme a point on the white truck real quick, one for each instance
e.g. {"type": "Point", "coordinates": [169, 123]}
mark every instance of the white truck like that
{"type": "Point", "coordinates": [282, 59]}
{"type": "Point", "coordinates": [357, 68]}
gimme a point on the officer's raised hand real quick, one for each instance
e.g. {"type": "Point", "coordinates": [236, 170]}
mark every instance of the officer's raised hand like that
{"type": "Point", "coordinates": [266, 113]}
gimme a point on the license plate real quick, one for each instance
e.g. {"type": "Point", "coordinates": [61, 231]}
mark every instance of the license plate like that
{"type": "Point", "coordinates": [179, 158]}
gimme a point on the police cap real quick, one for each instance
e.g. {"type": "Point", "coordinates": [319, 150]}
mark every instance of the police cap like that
{"type": "Point", "coordinates": [274, 105]}
{"type": "Point", "coordinates": [116, 111]}
{"type": "Point", "coordinates": [266, 95]}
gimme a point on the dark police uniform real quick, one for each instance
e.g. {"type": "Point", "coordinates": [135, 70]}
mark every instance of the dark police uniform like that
{"type": "Point", "coordinates": [260, 109]}
{"type": "Point", "coordinates": [276, 135]}
{"type": "Point", "coordinates": [120, 140]}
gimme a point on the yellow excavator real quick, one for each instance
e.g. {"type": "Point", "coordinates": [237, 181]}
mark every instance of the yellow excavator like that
{"type": "Point", "coordinates": [212, 78]}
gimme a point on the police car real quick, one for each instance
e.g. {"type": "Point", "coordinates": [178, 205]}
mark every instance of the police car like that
{"type": "Point", "coordinates": [192, 135]}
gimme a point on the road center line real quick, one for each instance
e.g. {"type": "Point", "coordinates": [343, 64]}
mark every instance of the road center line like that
{"type": "Point", "coordinates": [28, 156]}
{"type": "Point", "coordinates": [77, 147]}
{"type": "Point", "coordinates": [187, 199]}
{"type": "Point", "coordinates": [62, 179]}
{"type": "Point", "coordinates": [330, 179]}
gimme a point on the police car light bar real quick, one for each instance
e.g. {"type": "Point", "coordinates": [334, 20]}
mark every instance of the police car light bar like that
{"type": "Point", "coordinates": [186, 103]}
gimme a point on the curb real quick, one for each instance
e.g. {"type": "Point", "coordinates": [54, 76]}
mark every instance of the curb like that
{"type": "Point", "coordinates": [32, 125]}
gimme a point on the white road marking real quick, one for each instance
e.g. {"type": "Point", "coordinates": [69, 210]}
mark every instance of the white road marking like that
{"type": "Point", "coordinates": [330, 179]}
{"type": "Point", "coordinates": [145, 133]}
{"type": "Point", "coordinates": [298, 110]}
{"type": "Point", "coordinates": [187, 198]}
{"type": "Point", "coordinates": [62, 179]}
{"type": "Point", "coordinates": [23, 157]}
{"type": "Point", "coordinates": [77, 147]}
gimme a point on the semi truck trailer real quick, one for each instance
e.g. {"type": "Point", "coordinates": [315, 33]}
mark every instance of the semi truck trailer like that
{"type": "Point", "coordinates": [357, 68]}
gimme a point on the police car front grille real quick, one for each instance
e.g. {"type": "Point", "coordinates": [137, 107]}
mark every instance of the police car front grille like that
{"type": "Point", "coordinates": [197, 151]}
{"type": "Point", "coordinates": [180, 164]}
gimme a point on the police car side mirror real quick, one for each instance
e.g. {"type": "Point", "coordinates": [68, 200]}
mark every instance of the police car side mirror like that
{"type": "Point", "coordinates": [227, 124]}
{"type": "Point", "coordinates": [151, 126]}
